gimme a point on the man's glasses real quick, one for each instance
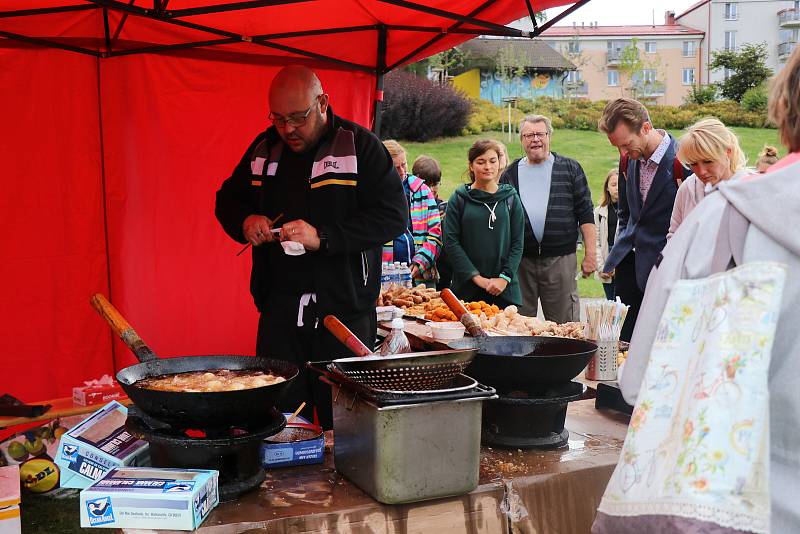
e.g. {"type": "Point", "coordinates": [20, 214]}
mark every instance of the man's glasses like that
{"type": "Point", "coordinates": [534, 135]}
{"type": "Point", "coordinates": [296, 119]}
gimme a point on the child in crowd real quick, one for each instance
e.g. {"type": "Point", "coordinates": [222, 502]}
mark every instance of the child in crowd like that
{"type": "Point", "coordinates": [766, 158]}
{"type": "Point", "coordinates": [420, 244]}
{"type": "Point", "coordinates": [605, 218]}
{"type": "Point", "coordinates": [430, 171]}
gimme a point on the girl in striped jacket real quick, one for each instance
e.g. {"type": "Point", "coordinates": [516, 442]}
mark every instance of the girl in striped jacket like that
{"type": "Point", "coordinates": [421, 243]}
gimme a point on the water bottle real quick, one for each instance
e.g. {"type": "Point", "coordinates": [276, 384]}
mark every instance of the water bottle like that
{"type": "Point", "coordinates": [405, 276]}
{"type": "Point", "coordinates": [397, 275]}
{"type": "Point", "coordinates": [386, 276]}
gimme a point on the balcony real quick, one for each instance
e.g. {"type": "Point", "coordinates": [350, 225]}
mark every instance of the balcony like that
{"type": "Point", "coordinates": [650, 89]}
{"type": "Point", "coordinates": [789, 18]}
{"type": "Point", "coordinates": [785, 49]}
{"type": "Point", "coordinates": [613, 57]}
{"type": "Point", "coordinates": [573, 89]}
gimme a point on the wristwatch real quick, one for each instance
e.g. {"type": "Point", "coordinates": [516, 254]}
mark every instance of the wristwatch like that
{"type": "Point", "coordinates": [323, 242]}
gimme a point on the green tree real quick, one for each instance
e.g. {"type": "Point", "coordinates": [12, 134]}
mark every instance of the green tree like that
{"type": "Point", "coordinates": [449, 60]}
{"type": "Point", "coordinates": [510, 63]}
{"type": "Point", "coordinates": [631, 68]}
{"type": "Point", "coordinates": [748, 69]}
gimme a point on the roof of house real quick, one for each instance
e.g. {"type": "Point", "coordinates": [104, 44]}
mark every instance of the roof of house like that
{"type": "Point", "coordinates": [538, 53]}
{"type": "Point", "coordinates": [620, 31]}
{"type": "Point", "coordinates": [692, 8]}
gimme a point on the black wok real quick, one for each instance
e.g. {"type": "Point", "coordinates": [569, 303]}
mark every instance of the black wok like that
{"type": "Point", "coordinates": [245, 407]}
{"type": "Point", "coordinates": [518, 361]}
{"type": "Point", "coordinates": [525, 361]}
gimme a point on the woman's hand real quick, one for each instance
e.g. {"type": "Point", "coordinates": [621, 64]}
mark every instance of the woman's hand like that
{"type": "Point", "coordinates": [495, 286]}
{"type": "Point", "coordinates": [480, 281]}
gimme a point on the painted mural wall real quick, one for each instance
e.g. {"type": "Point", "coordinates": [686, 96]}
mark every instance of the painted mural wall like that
{"type": "Point", "coordinates": [494, 88]}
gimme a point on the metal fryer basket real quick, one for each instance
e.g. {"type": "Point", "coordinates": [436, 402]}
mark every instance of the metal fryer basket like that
{"type": "Point", "coordinates": [422, 371]}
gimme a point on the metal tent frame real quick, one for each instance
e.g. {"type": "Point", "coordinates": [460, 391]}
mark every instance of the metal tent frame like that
{"type": "Point", "coordinates": [161, 13]}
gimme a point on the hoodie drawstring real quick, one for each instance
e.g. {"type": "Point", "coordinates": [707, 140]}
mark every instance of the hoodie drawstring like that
{"type": "Point", "coordinates": [492, 214]}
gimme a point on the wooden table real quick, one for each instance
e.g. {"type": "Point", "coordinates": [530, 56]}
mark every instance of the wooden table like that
{"type": "Point", "coordinates": [559, 491]}
{"type": "Point", "coordinates": [61, 407]}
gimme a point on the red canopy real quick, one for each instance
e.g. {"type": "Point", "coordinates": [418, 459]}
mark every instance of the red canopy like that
{"type": "Point", "coordinates": [120, 121]}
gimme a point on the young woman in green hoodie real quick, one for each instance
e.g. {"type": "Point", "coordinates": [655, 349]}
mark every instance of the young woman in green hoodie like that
{"type": "Point", "coordinates": [484, 232]}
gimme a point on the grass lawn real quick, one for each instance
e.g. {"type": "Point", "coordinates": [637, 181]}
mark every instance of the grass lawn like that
{"type": "Point", "coordinates": [591, 149]}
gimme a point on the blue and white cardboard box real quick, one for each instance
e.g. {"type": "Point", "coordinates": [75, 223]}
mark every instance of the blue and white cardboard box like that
{"type": "Point", "coordinates": [284, 454]}
{"type": "Point", "coordinates": [150, 498]}
{"type": "Point", "coordinates": [90, 449]}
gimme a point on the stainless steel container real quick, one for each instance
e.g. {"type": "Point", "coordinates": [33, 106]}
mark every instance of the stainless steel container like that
{"type": "Point", "coordinates": [407, 453]}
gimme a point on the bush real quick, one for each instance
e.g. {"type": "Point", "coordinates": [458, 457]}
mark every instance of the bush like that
{"type": "Point", "coordinates": [755, 100]}
{"type": "Point", "coordinates": [584, 115]}
{"type": "Point", "coordinates": [701, 94]}
{"type": "Point", "coordinates": [417, 109]}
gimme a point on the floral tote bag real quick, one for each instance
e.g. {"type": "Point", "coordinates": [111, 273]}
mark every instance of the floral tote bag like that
{"type": "Point", "coordinates": [696, 456]}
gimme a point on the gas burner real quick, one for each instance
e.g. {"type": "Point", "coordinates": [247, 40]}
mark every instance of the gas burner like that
{"type": "Point", "coordinates": [529, 419]}
{"type": "Point", "coordinates": [234, 452]}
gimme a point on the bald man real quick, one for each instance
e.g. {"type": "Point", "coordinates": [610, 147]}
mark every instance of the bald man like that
{"type": "Point", "coordinates": [338, 195]}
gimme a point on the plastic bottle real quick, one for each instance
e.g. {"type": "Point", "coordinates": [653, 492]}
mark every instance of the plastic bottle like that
{"type": "Point", "coordinates": [397, 276]}
{"type": "Point", "coordinates": [396, 341]}
{"type": "Point", "coordinates": [405, 276]}
{"type": "Point", "coordinates": [386, 276]}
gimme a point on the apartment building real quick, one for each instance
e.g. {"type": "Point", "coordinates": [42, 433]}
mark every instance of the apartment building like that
{"type": "Point", "coordinates": [670, 62]}
{"type": "Point", "coordinates": [728, 25]}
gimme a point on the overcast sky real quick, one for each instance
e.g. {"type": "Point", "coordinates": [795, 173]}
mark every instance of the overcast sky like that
{"type": "Point", "coordinates": [622, 12]}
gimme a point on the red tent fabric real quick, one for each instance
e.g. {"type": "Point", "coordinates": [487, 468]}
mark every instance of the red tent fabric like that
{"type": "Point", "coordinates": [110, 160]}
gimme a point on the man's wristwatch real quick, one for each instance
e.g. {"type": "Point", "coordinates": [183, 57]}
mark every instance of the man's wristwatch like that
{"type": "Point", "coordinates": [323, 242]}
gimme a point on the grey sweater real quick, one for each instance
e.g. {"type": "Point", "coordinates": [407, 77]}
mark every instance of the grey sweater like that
{"type": "Point", "coordinates": [772, 205]}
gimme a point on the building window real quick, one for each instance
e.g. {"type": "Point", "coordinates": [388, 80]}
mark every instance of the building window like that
{"type": "Point", "coordinates": [648, 76]}
{"type": "Point", "coordinates": [688, 49]}
{"type": "Point", "coordinates": [574, 47]}
{"type": "Point", "coordinates": [613, 78]}
{"type": "Point", "coordinates": [730, 40]}
{"type": "Point", "coordinates": [650, 47]}
{"type": "Point", "coordinates": [688, 76]}
{"type": "Point", "coordinates": [727, 73]}
{"type": "Point", "coordinates": [731, 11]}
{"type": "Point", "coordinates": [574, 77]}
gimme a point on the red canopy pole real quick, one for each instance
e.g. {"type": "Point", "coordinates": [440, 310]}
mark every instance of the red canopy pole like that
{"type": "Point", "coordinates": [380, 71]}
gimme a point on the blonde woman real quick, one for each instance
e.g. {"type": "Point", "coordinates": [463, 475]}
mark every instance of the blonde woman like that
{"type": "Point", "coordinates": [713, 154]}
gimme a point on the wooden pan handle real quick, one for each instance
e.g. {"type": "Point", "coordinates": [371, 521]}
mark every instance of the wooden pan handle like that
{"type": "Point", "coordinates": [345, 336]}
{"type": "Point", "coordinates": [121, 327]}
{"type": "Point", "coordinates": [462, 314]}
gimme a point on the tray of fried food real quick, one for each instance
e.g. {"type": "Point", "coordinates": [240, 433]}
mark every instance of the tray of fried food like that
{"type": "Point", "coordinates": [440, 314]}
{"type": "Point", "coordinates": [419, 311]}
{"type": "Point", "coordinates": [511, 323]}
{"type": "Point", "coordinates": [404, 297]}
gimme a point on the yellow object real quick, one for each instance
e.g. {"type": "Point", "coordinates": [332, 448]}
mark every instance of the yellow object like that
{"type": "Point", "coordinates": [39, 475]}
{"type": "Point", "coordinates": [469, 82]}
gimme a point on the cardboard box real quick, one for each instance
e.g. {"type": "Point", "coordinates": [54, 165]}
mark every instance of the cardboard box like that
{"type": "Point", "coordinates": [90, 449]}
{"type": "Point", "coordinates": [10, 521]}
{"type": "Point", "coordinates": [9, 500]}
{"type": "Point", "coordinates": [150, 498]}
{"type": "Point", "coordinates": [88, 395]}
{"type": "Point", "coordinates": [284, 454]}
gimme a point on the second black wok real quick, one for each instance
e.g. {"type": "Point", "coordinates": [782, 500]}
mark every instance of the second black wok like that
{"type": "Point", "coordinates": [525, 361]}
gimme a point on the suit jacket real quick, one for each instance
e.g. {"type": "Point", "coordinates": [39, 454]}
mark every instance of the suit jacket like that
{"type": "Point", "coordinates": [643, 228]}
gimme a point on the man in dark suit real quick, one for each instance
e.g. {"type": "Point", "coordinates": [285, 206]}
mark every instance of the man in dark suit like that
{"type": "Point", "coordinates": [647, 192]}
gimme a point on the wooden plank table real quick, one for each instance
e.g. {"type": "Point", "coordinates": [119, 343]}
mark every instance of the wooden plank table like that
{"type": "Point", "coordinates": [61, 407]}
{"type": "Point", "coordinates": [559, 491]}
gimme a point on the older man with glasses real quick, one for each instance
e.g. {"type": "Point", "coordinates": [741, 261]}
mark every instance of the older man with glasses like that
{"type": "Point", "coordinates": [557, 202]}
{"type": "Point", "coordinates": [328, 185]}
